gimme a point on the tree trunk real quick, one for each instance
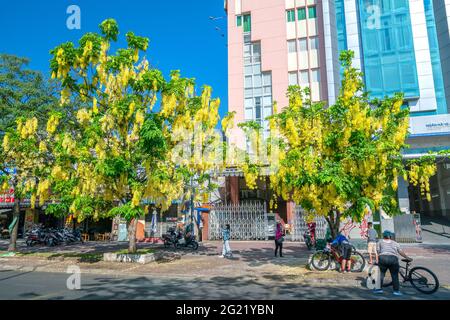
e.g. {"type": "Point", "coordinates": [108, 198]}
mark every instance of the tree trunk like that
{"type": "Point", "coordinates": [13, 236]}
{"type": "Point", "coordinates": [132, 228]}
{"type": "Point", "coordinates": [334, 222]}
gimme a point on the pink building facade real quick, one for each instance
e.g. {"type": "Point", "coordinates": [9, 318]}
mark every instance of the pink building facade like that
{"type": "Point", "coordinates": [273, 44]}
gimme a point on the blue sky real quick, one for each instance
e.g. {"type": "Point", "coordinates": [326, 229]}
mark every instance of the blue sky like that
{"type": "Point", "coordinates": [181, 34]}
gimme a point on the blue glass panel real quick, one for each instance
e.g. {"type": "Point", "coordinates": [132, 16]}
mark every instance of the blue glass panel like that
{"type": "Point", "coordinates": [435, 58]}
{"type": "Point", "coordinates": [388, 49]}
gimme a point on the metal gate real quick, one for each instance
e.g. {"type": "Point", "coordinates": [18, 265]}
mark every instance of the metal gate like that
{"type": "Point", "coordinates": [299, 225]}
{"type": "Point", "coordinates": [248, 221]}
{"type": "Point", "coordinates": [407, 228]}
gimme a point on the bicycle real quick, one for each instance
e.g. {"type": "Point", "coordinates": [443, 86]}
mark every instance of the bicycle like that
{"type": "Point", "coordinates": [421, 278]}
{"type": "Point", "coordinates": [321, 259]}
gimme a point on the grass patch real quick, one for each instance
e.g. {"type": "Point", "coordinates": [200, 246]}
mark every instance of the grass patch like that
{"type": "Point", "coordinates": [139, 251]}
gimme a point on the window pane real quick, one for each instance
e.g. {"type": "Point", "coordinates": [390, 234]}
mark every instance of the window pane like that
{"type": "Point", "coordinates": [303, 45]}
{"type": "Point", "coordinates": [257, 81]}
{"type": "Point", "coordinates": [290, 14]}
{"type": "Point", "coordinates": [301, 12]}
{"type": "Point", "coordinates": [292, 46]}
{"type": "Point", "coordinates": [248, 103]}
{"type": "Point", "coordinates": [248, 114]}
{"type": "Point", "coordinates": [314, 43]}
{"type": "Point", "coordinates": [256, 49]}
{"type": "Point", "coordinates": [267, 78]}
{"type": "Point", "coordinates": [267, 101]}
{"type": "Point", "coordinates": [268, 90]}
{"type": "Point", "coordinates": [247, 23]}
{"type": "Point", "coordinates": [312, 12]}
{"type": "Point", "coordinates": [258, 108]}
{"type": "Point", "coordinates": [247, 50]}
{"type": "Point", "coordinates": [315, 76]}
{"type": "Point", "coordinates": [257, 91]}
{"type": "Point", "coordinates": [257, 68]}
{"type": "Point", "coordinates": [304, 78]}
{"type": "Point", "coordinates": [248, 82]}
{"type": "Point", "coordinates": [248, 70]}
{"type": "Point", "coordinates": [248, 92]}
{"type": "Point", "coordinates": [293, 80]}
{"type": "Point", "coordinates": [239, 21]}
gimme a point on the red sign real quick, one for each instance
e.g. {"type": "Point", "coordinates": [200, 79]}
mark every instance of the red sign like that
{"type": "Point", "coordinates": [7, 197]}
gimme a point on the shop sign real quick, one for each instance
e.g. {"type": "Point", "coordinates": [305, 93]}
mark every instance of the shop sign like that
{"type": "Point", "coordinates": [430, 124]}
{"type": "Point", "coordinates": [7, 197]}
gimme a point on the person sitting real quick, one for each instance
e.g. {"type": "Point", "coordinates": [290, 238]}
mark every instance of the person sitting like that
{"type": "Point", "coordinates": [345, 248]}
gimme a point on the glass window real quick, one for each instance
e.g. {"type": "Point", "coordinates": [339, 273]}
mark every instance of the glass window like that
{"type": "Point", "coordinates": [257, 49]}
{"type": "Point", "coordinates": [247, 50]}
{"type": "Point", "coordinates": [247, 23]}
{"type": "Point", "coordinates": [257, 68]}
{"type": "Point", "coordinates": [248, 114]}
{"type": "Point", "coordinates": [248, 103]}
{"type": "Point", "coordinates": [257, 81]}
{"type": "Point", "coordinates": [314, 43]}
{"type": "Point", "coordinates": [239, 21]}
{"type": "Point", "coordinates": [290, 15]}
{"type": "Point", "coordinates": [248, 82]}
{"type": "Point", "coordinates": [312, 12]}
{"type": "Point", "coordinates": [302, 45]}
{"type": "Point", "coordinates": [293, 78]}
{"type": "Point", "coordinates": [258, 108]}
{"type": "Point", "coordinates": [257, 91]}
{"type": "Point", "coordinates": [292, 46]}
{"type": "Point", "coordinates": [268, 90]}
{"type": "Point", "coordinates": [248, 92]}
{"type": "Point", "coordinates": [267, 78]}
{"type": "Point", "coordinates": [248, 70]}
{"type": "Point", "coordinates": [315, 75]}
{"type": "Point", "coordinates": [304, 78]}
{"type": "Point", "coordinates": [267, 101]}
{"type": "Point", "coordinates": [301, 12]}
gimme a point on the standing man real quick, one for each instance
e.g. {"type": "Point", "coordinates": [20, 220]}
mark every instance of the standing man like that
{"type": "Point", "coordinates": [389, 250]}
{"type": "Point", "coordinates": [226, 250]}
{"type": "Point", "coordinates": [372, 239]}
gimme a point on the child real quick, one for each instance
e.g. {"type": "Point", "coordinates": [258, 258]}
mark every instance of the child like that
{"type": "Point", "coordinates": [372, 239]}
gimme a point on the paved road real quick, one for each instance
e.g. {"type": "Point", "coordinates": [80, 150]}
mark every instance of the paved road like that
{"type": "Point", "coordinates": [35, 285]}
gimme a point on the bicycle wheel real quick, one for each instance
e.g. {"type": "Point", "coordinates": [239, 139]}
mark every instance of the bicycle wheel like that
{"type": "Point", "coordinates": [358, 262]}
{"type": "Point", "coordinates": [321, 260]}
{"type": "Point", "coordinates": [423, 280]}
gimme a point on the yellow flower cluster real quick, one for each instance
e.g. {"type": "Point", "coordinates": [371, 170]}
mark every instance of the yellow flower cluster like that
{"type": "Point", "coordinates": [5, 143]}
{"type": "Point", "coordinates": [420, 175]}
{"type": "Point", "coordinates": [83, 116]}
{"type": "Point", "coordinates": [28, 129]}
{"type": "Point", "coordinates": [43, 191]}
{"type": "Point", "coordinates": [52, 124]}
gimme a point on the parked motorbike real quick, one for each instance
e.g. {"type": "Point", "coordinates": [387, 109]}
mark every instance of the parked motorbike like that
{"type": "Point", "coordinates": [169, 238]}
{"type": "Point", "coordinates": [186, 242]}
{"type": "Point", "coordinates": [52, 237]}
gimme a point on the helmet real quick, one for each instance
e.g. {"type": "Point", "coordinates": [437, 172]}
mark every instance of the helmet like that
{"type": "Point", "coordinates": [387, 234]}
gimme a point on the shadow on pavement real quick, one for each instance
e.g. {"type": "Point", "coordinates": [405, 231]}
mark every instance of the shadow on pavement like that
{"type": "Point", "coordinates": [230, 288]}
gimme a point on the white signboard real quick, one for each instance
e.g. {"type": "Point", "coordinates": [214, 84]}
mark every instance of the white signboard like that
{"type": "Point", "coordinates": [430, 124]}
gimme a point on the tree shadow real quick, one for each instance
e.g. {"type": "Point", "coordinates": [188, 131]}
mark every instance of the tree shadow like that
{"type": "Point", "coordinates": [230, 288]}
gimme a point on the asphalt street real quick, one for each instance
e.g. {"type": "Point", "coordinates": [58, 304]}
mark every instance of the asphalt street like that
{"type": "Point", "coordinates": [53, 286]}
